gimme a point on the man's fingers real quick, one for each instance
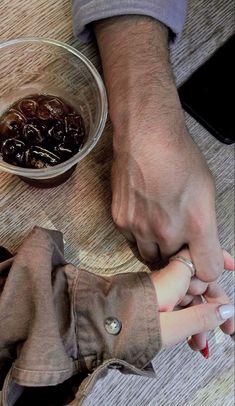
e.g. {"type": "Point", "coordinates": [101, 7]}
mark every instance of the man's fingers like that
{"type": "Point", "coordinates": [177, 326]}
{"type": "Point", "coordinates": [170, 245]}
{"type": "Point", "coordinates": [127, 234]}
{"type": "Point", "coordinates": [207, 257]}
{"type": "Point", "coordinates": [197, 287]}
{"type": "Point", "coordinates": [148, 250]}
{"type": "Point", "coordinates": [229, 262]}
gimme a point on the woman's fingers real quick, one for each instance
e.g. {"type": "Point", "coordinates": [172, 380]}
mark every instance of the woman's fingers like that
{"type": "Point", "coordinates": [216, 294]}
{"type": "Point", "coordinates": [171, 285]}
{"type": "Point", "coordinates": [197, 341]}
{"type": "Point", "coordinates": [174, 281]}
{"type": "Point", "coordinates": [174, 285]}
{"type": "Point", "coordinates": [186, 301]}
{"type": "Point", "coordinates": [213, 293]}
{"type": "Point", "coordinates": [177, 326]}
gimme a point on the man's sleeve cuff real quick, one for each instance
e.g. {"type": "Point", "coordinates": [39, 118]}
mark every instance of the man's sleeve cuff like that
{"type": "Point", "coordinates": [169, 12]}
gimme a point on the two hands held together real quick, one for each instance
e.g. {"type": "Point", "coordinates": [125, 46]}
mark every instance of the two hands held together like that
{"type": "Point", "coordinates": [190, 307]}
{"type": "Point", "coordinates": [163, 191]}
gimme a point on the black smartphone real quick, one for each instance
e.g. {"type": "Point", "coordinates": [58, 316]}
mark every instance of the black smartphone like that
{"type": "Point", "coordinates": [209, 94]}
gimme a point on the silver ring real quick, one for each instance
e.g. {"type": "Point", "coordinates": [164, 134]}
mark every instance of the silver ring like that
{"type": "Point", "coordinates": [185, 261]}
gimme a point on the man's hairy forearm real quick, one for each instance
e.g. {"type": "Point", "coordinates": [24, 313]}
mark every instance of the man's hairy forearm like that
{"type": "Point", "coordinates": [135, 58]}
{"type": "Point", "coordinates": [158, 173]}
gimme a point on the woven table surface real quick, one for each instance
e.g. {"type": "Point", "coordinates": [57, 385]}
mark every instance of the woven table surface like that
{"type": "Point", "coordinates": [80, 208]}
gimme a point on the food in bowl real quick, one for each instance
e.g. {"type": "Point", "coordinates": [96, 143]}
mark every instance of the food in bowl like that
{"type": "Point", "coordinates": [40, 130]}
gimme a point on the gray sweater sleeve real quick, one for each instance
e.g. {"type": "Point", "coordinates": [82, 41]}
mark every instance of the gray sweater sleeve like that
{"type": "Point", "coordinates": [169, 12]}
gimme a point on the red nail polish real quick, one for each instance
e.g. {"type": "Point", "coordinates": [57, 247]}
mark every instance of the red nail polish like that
{"type": "Point", "coordinates": [205, 351]}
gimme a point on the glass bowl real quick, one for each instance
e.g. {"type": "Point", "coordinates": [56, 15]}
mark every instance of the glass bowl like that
{"type": "Point", "coordinates": [44, 66]}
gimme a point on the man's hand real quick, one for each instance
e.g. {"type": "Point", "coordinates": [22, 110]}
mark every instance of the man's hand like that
{"type": "Point", "coordinates": [163, 192]}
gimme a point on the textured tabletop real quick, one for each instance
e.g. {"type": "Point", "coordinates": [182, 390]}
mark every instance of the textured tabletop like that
{"type": "Point", "coordinates": [80, 208]}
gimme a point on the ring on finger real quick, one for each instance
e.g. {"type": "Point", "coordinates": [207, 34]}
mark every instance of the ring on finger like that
{"type": "Point", "coordinates": [185, 261]}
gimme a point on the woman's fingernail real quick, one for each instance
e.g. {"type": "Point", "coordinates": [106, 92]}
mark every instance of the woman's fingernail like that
{"type": "Point", "coordinates": [226, 311]}
{"type": "Point", "coordinates": [205, 351]}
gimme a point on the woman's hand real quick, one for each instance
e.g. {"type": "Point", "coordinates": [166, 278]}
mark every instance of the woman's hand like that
{"type": "Point", "coordinates": [176, 289]}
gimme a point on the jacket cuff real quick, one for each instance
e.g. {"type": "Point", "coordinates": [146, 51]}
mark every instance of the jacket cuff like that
{"type": "Point", "coordinates": [169, 12]}
{"type": "Point", "coordinates": [130, 299]}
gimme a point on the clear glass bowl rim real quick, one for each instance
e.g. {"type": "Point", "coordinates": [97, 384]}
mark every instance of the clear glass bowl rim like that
{"type": "Point", "coordinates": [56, 170]}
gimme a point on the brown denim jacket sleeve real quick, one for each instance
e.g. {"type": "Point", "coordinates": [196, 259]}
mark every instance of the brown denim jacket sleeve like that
{"type": "Point", "coordinates": [57, 321]}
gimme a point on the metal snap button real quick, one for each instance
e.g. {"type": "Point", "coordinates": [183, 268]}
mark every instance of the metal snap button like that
{"type": "Point", "coordinates": [112, 325]}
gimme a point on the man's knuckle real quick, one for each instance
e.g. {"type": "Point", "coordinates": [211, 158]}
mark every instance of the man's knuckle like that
{"type": "Point", "coordinates": [164, 236]}
{"type": "Point", "coordinates": [197, 225]}
{"type": "Point", "coordinates": [119, 221]}
{"type": "Point", "coordinates": [213, 270]}
{"type": "Point", "coordinates": [219, 265]}
{"type": "Point", "coordinates": [141, 230]}
{"type": "Point", "coordinates": [195, 290]}
{"type": "Point", "coordinates": [207, 277]}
